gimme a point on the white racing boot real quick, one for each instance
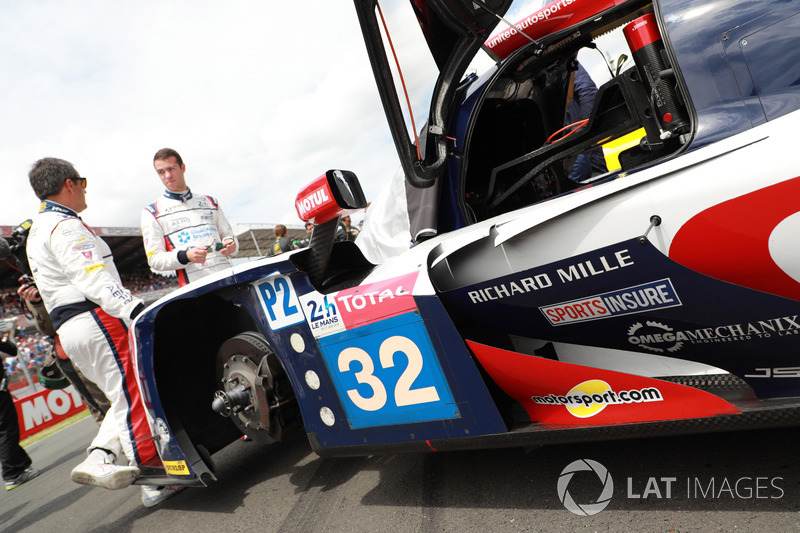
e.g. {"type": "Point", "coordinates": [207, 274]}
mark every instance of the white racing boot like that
{"type": "Point", "coordinates": [100, 469]}
{"type": "Point", "coordinates": [152, 495]}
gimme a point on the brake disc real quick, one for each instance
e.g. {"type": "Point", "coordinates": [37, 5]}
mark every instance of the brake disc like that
{"type": "Point", "coordinates": [243, 397]}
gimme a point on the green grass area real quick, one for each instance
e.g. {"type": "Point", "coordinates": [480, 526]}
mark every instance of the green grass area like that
{"type": "Point", "coordinates": [52, 429]}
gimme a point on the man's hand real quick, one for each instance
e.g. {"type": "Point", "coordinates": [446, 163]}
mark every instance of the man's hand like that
{"type": "Point", "coordinates": [196, 254]}
{"type": "Point", "coordinates": [230, 247]}
{"type": "Point", "coordinates": [30, 293]}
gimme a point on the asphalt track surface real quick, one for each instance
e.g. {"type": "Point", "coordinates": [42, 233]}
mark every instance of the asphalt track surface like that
{"type": "Point", "coordinates": [747, 481]}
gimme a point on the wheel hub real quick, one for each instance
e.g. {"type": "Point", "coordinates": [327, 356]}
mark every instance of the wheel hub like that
{"type": "Point", "coordinates": [243, 396]}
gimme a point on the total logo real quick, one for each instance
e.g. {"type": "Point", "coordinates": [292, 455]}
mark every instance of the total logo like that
{"type": "Point", "coordinates": [350, 308]}
{"type": "Point", "coordinates": [591, 397]}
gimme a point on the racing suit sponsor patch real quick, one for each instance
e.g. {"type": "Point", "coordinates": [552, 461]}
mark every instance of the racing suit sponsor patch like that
{"type": "Point", "coordinates": [94, 267]}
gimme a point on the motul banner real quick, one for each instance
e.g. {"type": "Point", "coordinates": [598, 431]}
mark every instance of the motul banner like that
{"type": "Point", "coordinates": [46, 408]}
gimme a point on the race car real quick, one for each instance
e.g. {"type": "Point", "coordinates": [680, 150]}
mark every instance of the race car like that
{"type": "Point", "coordinates": [655, 294]}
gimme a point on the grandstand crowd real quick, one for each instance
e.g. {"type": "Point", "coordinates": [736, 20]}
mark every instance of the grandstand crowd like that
{"type": "Point", "coordinates": [34, 347]}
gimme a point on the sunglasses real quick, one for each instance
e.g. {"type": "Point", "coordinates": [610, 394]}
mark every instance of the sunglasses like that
{"type": "Point", "coordinates": [81, 181]}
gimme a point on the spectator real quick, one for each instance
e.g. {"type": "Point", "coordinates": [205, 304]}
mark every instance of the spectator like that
{"type": "Point", "coordinates": [283, 243]}
{"type": "Point", "coordinates": [11, 305]}
{"type": "Point", "coordinates": [15, 461]}
{"type": "Point", "coordinates": [345, 231]}
{"type": "Point", "coordinates": [305, 241]}
{"type": "Point", "coordinates": [184, 232]}
{"type": "Point", "coordinates": [140, 282]}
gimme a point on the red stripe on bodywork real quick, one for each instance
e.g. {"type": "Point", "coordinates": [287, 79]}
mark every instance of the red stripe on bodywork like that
{"type": "Point", "coordinates": [730, 241]}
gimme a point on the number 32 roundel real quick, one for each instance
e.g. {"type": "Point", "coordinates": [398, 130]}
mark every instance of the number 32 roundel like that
{"type": "Point", "coordinates": [386, 373]}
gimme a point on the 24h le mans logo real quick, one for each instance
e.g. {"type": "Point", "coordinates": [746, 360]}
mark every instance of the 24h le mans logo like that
{"type": "Point", "coordinates": [585, 509]}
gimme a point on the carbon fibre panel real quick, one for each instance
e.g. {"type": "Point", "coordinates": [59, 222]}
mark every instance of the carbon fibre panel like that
{"type": "Point", "coordinates": [764, 414]}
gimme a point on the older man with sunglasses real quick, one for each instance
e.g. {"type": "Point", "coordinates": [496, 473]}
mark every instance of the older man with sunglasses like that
{"type": "Point", "coordinates": [91, 311]}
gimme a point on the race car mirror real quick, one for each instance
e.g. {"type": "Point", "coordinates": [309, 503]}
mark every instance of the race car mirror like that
{"type": "Point", "coordinates": [333, 194]}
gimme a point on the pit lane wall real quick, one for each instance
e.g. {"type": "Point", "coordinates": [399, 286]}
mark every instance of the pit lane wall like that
{"type": "Point", "coordinates": [45, 408]}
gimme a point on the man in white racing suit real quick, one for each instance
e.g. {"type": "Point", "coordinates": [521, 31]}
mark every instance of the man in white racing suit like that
{"type": "Point", "coordinates": [91, 311]}
{"type": "Point", "coordinates": [182, 231]}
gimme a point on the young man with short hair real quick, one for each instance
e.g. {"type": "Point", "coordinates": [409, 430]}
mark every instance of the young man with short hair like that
{"type": "Point", "coordinates": [182, 231]}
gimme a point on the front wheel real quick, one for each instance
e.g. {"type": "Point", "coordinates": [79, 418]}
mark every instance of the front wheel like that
{"type": "Point", "coordinates": [255, 391]}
